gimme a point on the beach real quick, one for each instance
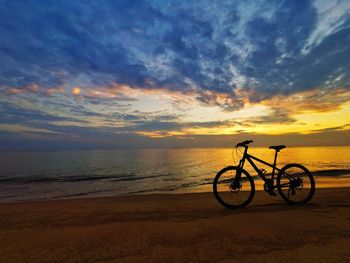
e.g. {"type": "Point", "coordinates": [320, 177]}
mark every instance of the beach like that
{"type": "Point", "coordinates": [177, 228]}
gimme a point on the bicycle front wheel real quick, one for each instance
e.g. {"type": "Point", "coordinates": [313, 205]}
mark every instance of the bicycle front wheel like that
{"type": "Point", "coordinates": [233, 190]}
{"type": "Point", "coordinates": [295, 184]}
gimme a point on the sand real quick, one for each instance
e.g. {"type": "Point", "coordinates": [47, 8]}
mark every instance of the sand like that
{"type": "Point", "coordinates": [177, 228]}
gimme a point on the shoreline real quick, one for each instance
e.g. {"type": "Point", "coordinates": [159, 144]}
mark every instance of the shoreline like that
{"type": "Point", "coordinates": [176, 227]}
{"type": "Point", "coordinates": [322, 182]}
{"type": "Point", "coordinates": [205, 189]}
{"type": "Point", "coordinates": [335, 178]}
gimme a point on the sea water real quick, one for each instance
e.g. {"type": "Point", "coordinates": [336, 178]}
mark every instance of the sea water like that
{"type": "Point", "coordinates": [77, 174]}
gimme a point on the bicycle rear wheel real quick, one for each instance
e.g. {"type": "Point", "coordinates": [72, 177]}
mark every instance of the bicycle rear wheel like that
{"type": "Point", "coordinates": [295, 184]}
{"type": "Point", "coordinates": [231, 192]}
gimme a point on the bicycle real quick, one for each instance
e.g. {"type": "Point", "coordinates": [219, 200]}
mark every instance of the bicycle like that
{"type": "Point", "coordinates": [234, 187]}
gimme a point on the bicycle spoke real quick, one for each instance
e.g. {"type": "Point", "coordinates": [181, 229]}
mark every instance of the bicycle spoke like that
{"type": "Point", "coordinates": [285, 185]}
{"type": "Point", "coordinates": [231, 191]}
{"type": "Point", "coordinates": [299, 182]}
{"type": "Point", "coordinates": [288, 191]}
{"type": "Point", "coordinates": [290, 177]}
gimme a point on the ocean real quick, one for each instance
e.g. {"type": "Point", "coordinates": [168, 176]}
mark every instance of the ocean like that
{"type": "Point", "coordinates": [79, 174]}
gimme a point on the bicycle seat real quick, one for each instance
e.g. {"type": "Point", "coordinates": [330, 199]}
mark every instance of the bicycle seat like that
{"type": "Point", "coordinates": [277, 147]}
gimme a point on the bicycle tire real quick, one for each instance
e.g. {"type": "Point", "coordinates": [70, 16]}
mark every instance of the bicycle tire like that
{"type": "Point", "coordinates": [303, 171]}
{"type": "Point", "coordinates": [218, 194]}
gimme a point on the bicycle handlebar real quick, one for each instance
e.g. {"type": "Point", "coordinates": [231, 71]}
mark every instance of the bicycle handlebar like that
{"type": "Point", "coordinates": [244, 143]}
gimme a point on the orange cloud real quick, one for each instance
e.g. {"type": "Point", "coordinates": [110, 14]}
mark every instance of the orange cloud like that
{"type": "Point", "coordinates": [316, 100]}
{"type": "Point", "coordinates": [14, 91]}
{"type": "Point", "coordinates": [160, 134]}
{"type": "Point", "coordinates": [33, 88]}
{"type": "Point", "coordinates": [125, 92]}
{"type": "Point", "coordinates": [51, 91]}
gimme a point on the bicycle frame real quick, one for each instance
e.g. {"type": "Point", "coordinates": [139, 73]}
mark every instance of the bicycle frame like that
{"type": "Point", "coordinates": [250, 159]}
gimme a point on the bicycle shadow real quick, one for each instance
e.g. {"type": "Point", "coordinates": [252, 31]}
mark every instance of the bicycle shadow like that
{"type": "Point", "coordinates": [271, 208]}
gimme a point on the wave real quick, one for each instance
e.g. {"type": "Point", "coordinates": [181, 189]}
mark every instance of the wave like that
{"type": "Point", "coordinates": [125, 177]}
{"type": "Point", "coordinates": [49, 179]}
{"type": "Point", "coordinates": [332, 173]}
{"type": "Point", "coordinates": [78, 178]}
{"type": "Point", "coordinates": [321, 173]}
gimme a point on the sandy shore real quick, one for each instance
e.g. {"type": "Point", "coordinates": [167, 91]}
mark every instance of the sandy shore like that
{"type": "Point", "coordinates": [177, 228]}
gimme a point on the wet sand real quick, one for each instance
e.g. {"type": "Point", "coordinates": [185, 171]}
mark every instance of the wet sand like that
{"type": "Point", "coordinates": [177, 228]}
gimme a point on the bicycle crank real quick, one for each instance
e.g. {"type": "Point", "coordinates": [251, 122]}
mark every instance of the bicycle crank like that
{"type": "Point", "coordinates": [268, 187]}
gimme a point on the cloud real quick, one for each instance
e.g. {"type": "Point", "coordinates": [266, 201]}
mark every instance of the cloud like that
{"type": "Point", "coordinates": [315, 100]}
{"type": "Point", "coordinates": [234, 45]}
{"type": "Point", "coordinates": [277, 116]}
{"type": "Point", "coordinates": [17, 128]}
{"type": "Point", "coordinates": [122, 141]}
{"type": "Point", "coordinates": [331, 129]}
{"type": "Point", "coordinates": [331, 17]}
{"type": "Point", "coordinates": [144, 66]}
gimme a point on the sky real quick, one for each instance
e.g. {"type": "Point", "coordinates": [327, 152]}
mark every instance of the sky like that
{"type": "Point", "coordinates": [140, 74]}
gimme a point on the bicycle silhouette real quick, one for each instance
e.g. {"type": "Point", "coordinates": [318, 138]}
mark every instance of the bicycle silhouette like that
{"type": "Point", "coordinates": [234, 187]}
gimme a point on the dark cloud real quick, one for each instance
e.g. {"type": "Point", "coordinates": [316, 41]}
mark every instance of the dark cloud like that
{"type": "Point", "coordinates": [9, 142]}
{"type": "Point", "coordinates": [331, 129]}
{"type": "Point", "coordinates": [277, 116]}
{"type": "Point", "coordinates": [50, 43]}
{"type": "Point", "coordinates": [95, 44]}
